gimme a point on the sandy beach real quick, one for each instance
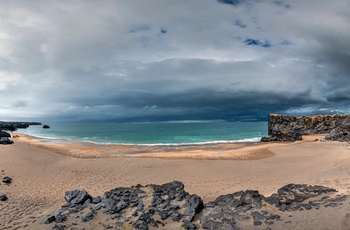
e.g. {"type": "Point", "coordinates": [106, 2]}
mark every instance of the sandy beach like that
{"type": "Point", "coordinates": [43, 171]}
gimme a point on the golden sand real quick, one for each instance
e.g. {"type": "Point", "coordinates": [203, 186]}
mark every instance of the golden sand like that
{"type": "Point", "coordinates": [43, 171]}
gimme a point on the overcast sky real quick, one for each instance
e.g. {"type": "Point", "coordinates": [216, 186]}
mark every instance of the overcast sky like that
{"type": "Point", "coordinates": [148, 60]}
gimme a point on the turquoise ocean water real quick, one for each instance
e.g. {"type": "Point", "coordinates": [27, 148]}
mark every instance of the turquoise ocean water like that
{"type": "Point", "coordinates": [156, 133]}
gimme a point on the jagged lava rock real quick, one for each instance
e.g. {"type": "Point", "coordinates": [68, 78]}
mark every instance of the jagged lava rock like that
{"type": "Point", "coordinates": [291, 128]}
{"type": "Point", "coordinates": [226, 209]}
{"type": "Point", "coordinates": [292, 193]}
{"type": "Point", "coordinates": [169, 205]}
{"type": "Point", "coordinates": [77, 196]}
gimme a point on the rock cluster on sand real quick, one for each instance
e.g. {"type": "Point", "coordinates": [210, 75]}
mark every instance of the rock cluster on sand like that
{"type": "Point", "coordinates": [170, 206]}
{"type": "Point", "coordinates": [290, 128]}
{"type": "Point", "coordinates": [12, 126]}
{"type": "Point", "coordinates": [6, 180]}
{"type": "Point", "coordinates": [4, 134]}
{"type": "Point", "coordinates": [4, 138]}
{"type": "Point", "coordinates": [5, 141]}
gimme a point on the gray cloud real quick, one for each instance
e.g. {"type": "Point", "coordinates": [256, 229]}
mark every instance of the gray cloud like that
{"type": "Point", "coordinates": [166, 60]}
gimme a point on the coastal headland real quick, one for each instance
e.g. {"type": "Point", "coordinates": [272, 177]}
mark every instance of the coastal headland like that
{"type": "Point", "coordinates": [292, 128]}
{"type": "Point", "coordinates": [43, 172]}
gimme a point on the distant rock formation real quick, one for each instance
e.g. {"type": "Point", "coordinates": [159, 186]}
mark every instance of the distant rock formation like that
{"type": "Point", "coordinates": [169, 206]}
{"type": "Point", "coordinates": [13, 126]}
{"type": "Point", "coordinates": [46, 127]}
{"type": "Point", "coordinates": [291, 128]}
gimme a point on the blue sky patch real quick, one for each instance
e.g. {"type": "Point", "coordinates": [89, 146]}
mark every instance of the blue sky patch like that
{"type": "Point", "coordinates": [256, 42]}
{"type": "Point", "coordinates": [282, 4]}
{"type": "Point", "coordinates": [231, 2]}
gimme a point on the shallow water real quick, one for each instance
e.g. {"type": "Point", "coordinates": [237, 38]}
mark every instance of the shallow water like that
{"type": "Point", "coordinates": [156, 133]}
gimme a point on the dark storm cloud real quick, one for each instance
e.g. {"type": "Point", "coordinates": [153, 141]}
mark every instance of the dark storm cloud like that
{"type": "Point", "coordinates": [173, 60]}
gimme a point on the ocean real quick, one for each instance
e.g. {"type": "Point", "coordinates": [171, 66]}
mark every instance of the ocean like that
{"type": "Point", "coordinates": [152, 133]}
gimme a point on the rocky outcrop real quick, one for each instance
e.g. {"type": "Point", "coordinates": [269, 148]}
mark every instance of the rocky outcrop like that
{"type": "Point", "coordinates": [13, 126]}
{"type": "Point", "coordinates": [339, 134]}
{"type": "Point", "coordinates": [4, 138]}
{"type": "Point", "coordinates": [282, 136]}
{"type": "Point", "coordinates": [136, 207]}
{"type": "Point", "coordinates": [291, 128]}
{"type": "Point", "coordinates": [5, 141]}
{"type": "Point", "coordinates": [46, 127]}
{"type": "Point", "coordinates": [4, 134]}
{"type": "Point", "coordinates": [227, 211]}
{"type": "Point", "coordinates": [169, 206]}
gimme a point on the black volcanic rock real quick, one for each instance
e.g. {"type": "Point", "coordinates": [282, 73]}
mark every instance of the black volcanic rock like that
{"type": "Point", "coordinates": [292, 193]}
{"type": "Point", "coordinates": [145, 207]}
{"type": "Point", "coordinates": [290, 128]}
{"type": "Point", "coordinates": [77, 196]}
{"type": "Point", "coordinates": [13, 126]}
{"type": "Point", "coordinates": [339, 134]}
{"type": "Point", "coordinates": [193, 205]}
{"type": "Point", "coordinates": [50, 219]}
{"type": "Point", "coordinates": [5, 141]}
{"type": "Point", "coordinates": [46, 127]}
{"type": "Point", "coordinates": [3, 197]}
{"type": "Point", "coordinates": [282, 136]}
{"type": "Point", "coordinates": [7, 180]}
{"type": "Point", "coordinates": [187, 225]}
{"type": "Point", "coordinates": [4, 134]}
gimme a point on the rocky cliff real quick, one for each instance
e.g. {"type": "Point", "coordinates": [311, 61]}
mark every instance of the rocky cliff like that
{"type": "Point", "coordinates": [291, 128]}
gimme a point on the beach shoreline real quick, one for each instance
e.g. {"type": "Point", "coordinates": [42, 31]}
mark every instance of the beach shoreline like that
{"type": "Point", "coordinates": [43, 171]}
{"type": "Point", "coordinates": [210, 151]}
